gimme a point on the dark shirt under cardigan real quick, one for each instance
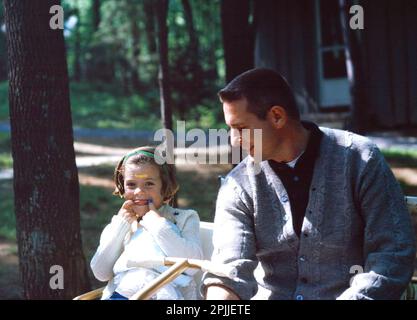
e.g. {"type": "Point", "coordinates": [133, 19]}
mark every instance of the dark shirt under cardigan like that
{"type": "Point", "coordinates": [297, 180]}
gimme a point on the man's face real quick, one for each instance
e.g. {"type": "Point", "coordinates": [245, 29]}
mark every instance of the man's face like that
{"type": "Point", "coordinates": [238, 118]}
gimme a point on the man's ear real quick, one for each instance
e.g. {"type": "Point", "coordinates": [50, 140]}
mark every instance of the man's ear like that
{"type": "Point", "coordinates": [278, 116]}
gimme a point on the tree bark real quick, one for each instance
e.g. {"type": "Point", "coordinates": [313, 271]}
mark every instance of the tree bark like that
{"type": "Point", "coordinates": [238, 38]}
{"type": "Point", "coordinates": [163, 77]}
{"type": "Point", "coordinates": [77, 46]}
{"type": "Point", "coordinates": [134, 20]}
{"type": "Point", "coordinates": [149, 9]}
{"type": "Point", "coordinates": [193, 43]}
{"type": "Point", "coordinates": [45, 175]}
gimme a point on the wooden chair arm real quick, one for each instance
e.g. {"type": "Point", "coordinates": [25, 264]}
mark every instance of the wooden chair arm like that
{"type": "Point", "coordinates": [91, 295]}
{"type": "Point", "coordinates": [166, 277]}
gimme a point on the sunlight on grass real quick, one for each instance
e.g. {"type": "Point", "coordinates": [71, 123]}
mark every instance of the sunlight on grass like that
{"type": "Point", "coordinates": [403, 158]}
{"type": "Point", "coordinates": [6, 161]}
{"type": "Point", "coordinates": [393, 153]}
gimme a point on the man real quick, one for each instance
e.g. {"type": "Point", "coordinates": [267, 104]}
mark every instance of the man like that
{"type": "Point", "coordinates": [324, 206]}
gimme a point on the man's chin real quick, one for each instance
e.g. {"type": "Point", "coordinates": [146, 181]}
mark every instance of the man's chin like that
{"type": "Point", "coordinates": [257, 157]}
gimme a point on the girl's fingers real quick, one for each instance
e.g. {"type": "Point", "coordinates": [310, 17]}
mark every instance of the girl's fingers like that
{"type": "Point", "coordinates": [127, 204]}
{"type": "Point", "coordinates": [151, 205]}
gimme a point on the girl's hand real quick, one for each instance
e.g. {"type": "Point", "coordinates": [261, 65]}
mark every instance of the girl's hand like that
{"type": "Point", "coordinates": [152, 210]}
{"type": "Point", "coordinates": [128, 212]}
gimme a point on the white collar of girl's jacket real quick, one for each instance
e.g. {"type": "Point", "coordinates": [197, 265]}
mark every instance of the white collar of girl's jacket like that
{"type": "Point", "coordinates": [167, 212]}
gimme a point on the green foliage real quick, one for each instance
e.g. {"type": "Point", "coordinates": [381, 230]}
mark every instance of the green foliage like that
{"type": "Point", "coordinates": [200, 192]}
{"type": "Point", "coordinates": [97, 206]}
{"type": "Point", "coordinates": [3, 52]}
{"type": "Point", "coordinates": [204, 117]}
{"type": "Point", "coordinates": [5, 142]}
{"type": "Point", "coordinates": [195, 77]}
{"type": "Point", "coordinates": [104, 106]}
{"type": "Point", "coordinates": [123, 49]}
{"type": "Point", "coordinates": [4, 101]}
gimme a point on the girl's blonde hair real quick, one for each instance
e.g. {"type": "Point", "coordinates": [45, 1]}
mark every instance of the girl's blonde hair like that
{"type": "Point", "coordinates": [142, 155]}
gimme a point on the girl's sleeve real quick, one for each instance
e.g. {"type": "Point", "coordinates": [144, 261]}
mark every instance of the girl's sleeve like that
{"type": "Point", "coordinates": [110, 248]}
{"type": "Point", "coordinates": [174, 242]}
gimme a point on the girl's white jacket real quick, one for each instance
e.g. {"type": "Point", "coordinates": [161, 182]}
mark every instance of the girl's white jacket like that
{"type": "Point", "coordinates": [116, 248]}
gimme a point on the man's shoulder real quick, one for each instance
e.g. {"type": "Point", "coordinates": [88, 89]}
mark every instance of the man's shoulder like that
{"type": "Point", "coordinates": [239, 173]}
{"type": "Point", "coordinates": [349, 141]}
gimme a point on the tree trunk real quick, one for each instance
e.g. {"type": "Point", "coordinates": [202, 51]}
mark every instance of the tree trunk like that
{"type": "Point", "coordinates": [77, 46]}
{"type": "Point", "coordinates": [193, 44]}
{"type": "Point", "coordinates": [149, 9]}
{"type": "Point", "coordinates": [96, 14]}
{"type": "Point", "coordinates": [134, 20]}
{"type": "Point", "coordinates": [356, 73]}
{"type": "Point", "coordinates": [163, 77]}
{"type": "Point", "coordinates": [238, 38]}
{"type": "Point", "coordinates": [45, 175]}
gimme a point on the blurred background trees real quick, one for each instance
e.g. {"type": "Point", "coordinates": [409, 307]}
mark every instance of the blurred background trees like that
{"type": "Point", "coordinates": [112, 52]}
{"type": "Point", "coordinates": [113, 55]}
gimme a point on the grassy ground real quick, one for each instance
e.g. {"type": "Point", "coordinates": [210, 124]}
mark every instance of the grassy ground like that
{"type": "Point", "coordinates": [5, 149]}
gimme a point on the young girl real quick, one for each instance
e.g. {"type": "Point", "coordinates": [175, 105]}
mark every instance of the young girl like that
{"type": "Point", "coordinates": [146, 227]}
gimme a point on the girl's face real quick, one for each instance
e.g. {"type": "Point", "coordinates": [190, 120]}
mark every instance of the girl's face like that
{"type": "Point", "coordinates": [142, 183]}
